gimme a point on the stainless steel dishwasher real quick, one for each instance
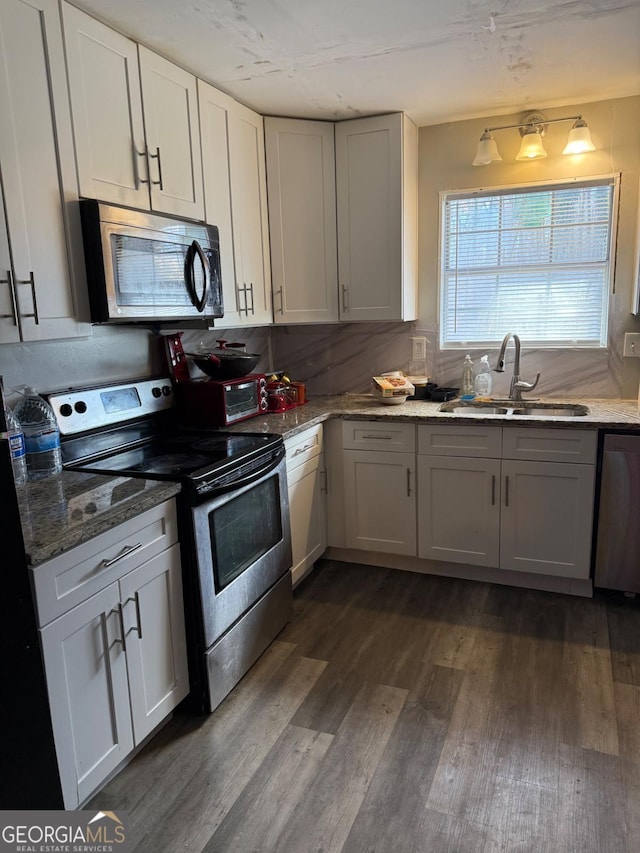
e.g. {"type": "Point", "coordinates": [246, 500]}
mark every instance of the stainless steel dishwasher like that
{"type": "Point", "coordinates": [618, 543]}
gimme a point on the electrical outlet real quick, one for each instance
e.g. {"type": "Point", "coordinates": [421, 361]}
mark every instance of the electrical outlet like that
{"type": "Point", "coordinates": [419, 349]}
{"type": "Point", "coordinates": [631, 345]}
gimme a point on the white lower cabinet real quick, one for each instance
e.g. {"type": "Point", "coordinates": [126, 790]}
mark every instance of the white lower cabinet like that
{"type": "Point", "coordinates": [514, 512]}
{"type": "Point", "coordinates": [546, 518]}
{"type": "Point", "coordinates": [459, 514]}
{"type": "Point", "coordinates": [306, 478]}
{"type": "Point", "coordinates": [116, 662]}
{"type": "Point", "coordinates": [379, 468]}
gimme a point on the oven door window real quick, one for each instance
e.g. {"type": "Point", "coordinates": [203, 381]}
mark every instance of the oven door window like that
{"type": "Point", "coordinates": [243, 529]}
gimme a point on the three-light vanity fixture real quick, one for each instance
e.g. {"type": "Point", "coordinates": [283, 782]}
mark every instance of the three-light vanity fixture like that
{"type": "Point", "coordinates": [532, 128]}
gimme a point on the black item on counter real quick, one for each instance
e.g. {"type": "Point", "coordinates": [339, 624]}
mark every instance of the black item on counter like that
{"type": "Point", "coordinates": [442, 395]}
{"type": "Point", "coordinates": [423, 392]}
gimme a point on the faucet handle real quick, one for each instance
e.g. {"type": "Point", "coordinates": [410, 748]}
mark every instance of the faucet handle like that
{"type": "Point", "coordinates": [526, 386]}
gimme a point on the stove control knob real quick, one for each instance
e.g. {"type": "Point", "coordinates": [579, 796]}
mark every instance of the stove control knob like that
{"type": "Point", "coordinates": [166, 390]}
{"type": "Point", "coordinates": [66, 410]}
{"type": "Point", "coordinates": [80, 407]}
{"type": "Point", "coordinates": [156, 391]}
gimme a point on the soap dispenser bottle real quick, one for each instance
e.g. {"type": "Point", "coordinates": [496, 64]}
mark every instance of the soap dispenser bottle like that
{"type": "Point", "coordinates": [467, 379]}
{"type": "Point", "coordinates": [484, 379]}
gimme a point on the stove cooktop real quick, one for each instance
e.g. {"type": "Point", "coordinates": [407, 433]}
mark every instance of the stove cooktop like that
{"type": "Point", "coordinates": [187, 456]}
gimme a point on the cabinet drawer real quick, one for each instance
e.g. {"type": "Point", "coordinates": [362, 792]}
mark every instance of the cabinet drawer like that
{"type": "Point", "coordinates": [550, 445]}
{"type": "Point", "coordinates": [69, 579]}
{"type": "Point", "coordinates": [374, 435]}
{"type": "Point", "coordinates": [303, 447]}
{"type": "Point", "coordinates": [450, 440]}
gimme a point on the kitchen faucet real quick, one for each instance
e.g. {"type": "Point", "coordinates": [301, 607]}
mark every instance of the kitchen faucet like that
{"type": "Point", "coordinates": [517, 385]}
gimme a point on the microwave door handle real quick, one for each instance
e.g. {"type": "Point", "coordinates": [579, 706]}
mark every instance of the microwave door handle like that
{"type": "Point", "coordinates": [195, 249]}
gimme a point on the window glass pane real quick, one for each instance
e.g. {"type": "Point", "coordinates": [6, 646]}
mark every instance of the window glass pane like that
{"type": "Point", "coordinates": [535, 261]}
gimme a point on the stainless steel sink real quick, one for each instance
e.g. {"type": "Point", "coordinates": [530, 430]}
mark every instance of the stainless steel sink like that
{"type": "Point", "coordinates": [475, 410]}
{"type": "Point", "coordinates": [555, 410]}
{"type": "Point", "coordinates": [532, 409]}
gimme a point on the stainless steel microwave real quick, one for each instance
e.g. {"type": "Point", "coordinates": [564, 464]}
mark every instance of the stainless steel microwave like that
{"type": "Point", "coordinates": [146, 267]}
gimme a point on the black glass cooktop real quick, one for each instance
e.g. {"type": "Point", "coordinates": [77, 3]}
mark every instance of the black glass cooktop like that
{"type": "Point", "coordinates": [181, 456]}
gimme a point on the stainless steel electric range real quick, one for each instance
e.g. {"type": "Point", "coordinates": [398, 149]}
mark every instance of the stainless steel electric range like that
{"type": "Point", "coordinates": [233, 514]}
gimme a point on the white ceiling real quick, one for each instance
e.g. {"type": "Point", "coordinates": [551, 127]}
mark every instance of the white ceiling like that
{"type": "Point", "coordinates": [438, 60]}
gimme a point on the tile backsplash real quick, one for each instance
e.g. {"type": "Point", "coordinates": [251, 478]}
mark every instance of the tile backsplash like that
{"type": "Point", "coordinates": [342, 358]}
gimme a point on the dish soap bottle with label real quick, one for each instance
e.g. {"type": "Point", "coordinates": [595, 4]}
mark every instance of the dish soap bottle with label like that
{"type": "Point", "coordinates": [467, 379]}
{"type": "Point", "coordinates": [41, 435]}
{"type": "Point", "coordinates": [484, 379]}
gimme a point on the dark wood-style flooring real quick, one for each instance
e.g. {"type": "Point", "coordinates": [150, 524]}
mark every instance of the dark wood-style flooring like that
{"type": "Point", "coordinates": [400, 713]}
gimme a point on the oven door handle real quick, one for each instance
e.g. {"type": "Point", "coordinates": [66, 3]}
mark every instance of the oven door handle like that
{"type": "Point", "coordinates": [195, 249]}
{"type": "Point", "coordinates": [252, 478]}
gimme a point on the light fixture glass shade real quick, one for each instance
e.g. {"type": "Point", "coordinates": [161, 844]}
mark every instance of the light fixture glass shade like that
{"type": "Point", "coordinates": [579, 139]}
{"type": "Point", "coordinates": [531, 147]}
{"type": "Point", "coordinates": [487, 150]}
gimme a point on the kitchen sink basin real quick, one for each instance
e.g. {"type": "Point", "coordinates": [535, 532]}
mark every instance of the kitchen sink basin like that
{"type": "Point", "coordinates": [475, 410]}
{"type": "Point", "coordinates": [560, 410]}
{"type": "Point", "coordinates": [519, 409]}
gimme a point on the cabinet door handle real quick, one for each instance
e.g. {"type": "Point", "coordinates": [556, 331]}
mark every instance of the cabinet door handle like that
{"type": "Point", "coordinates": [244, 310]}
{"type": "Point", "coordinates": [345, 306]}
{"type": "Point", "coordinates": [252, 302]}
{"type": "Point", "coordinates": [136, 171]}
{"type": "Point", "coordinates": [12, 293]}
{"type": "Point", "coordinates": [506, 491]}
{"type": "Point", "coordinates": [325, 488]}
{"type": "Point", "coordinates": [408, 482]}
{"type": "Point", "coordinates": [381, 436]}
{"type": "Point", "coordinates": [136, 600]}
{"type": "Point", "coordinates": [303, 449]}
{"type": "Point", "coordinates": [128, 549]}
{"type": "Point", "coordinates": [121, 639]}
{"type": "Point", "coordinates": [493, 490]}
{"type": "Point", "coordinates": [279, 293]}
{"type": "Point", "coordinates": [156, 156]}
{"type": "Point", "coordinates": [31, 281]}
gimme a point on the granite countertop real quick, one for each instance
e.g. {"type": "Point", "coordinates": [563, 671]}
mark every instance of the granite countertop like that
{"type": "Point", "coordinates": [603, 414]}
{"type": "Point", "coordinates": [62, 512]}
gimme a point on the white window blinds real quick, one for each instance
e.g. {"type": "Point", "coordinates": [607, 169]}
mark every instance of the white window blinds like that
{"type": "Point", "coordinates": [535, 261]}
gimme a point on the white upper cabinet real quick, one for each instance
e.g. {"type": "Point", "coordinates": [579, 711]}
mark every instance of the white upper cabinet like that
{"type": "Point", "coordinates": [302, 220]}
{"type": "Point", "coordinates": [376, 189]}
{"type": "Point", "coordinates": [357, 179]}
{"type": "Point", "coordinates": [170, 104]}
{"type": "Point", "coordinates": [213, 107]}
{"type": "Point", "coordinates": [104, 82]}
{"type": "Point", "coordinates": [236, 201]}
{"type": "Point", "coordinates": [41, 280]}
{"type": "Point", "coordinates": [119, 91]}
{"type": "Point", "coordinates": [249, 216]}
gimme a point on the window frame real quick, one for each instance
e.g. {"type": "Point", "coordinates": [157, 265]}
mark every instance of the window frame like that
{"type": "Point", "coordinates": [531, 186]}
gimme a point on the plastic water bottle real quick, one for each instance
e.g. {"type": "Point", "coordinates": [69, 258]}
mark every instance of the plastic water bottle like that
{"type": "Point", "coordinates": [16, 447]}
{"type": "Point", "coordinates": [467, 379]}
{"type": "Point", "coordinates": [41, 435]}
{"type": "Point", "coordinates": [484, 379]}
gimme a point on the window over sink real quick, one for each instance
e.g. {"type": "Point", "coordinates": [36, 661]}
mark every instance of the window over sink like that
{"type": "Point", "coordinates": [536, 258]}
